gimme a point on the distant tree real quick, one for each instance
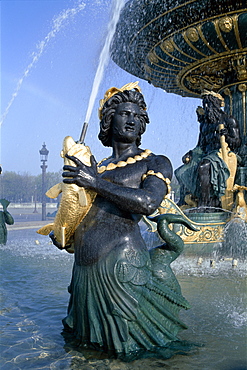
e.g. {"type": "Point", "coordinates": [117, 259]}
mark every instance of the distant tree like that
{"type": "Point", "coordinates": [51, 179]}
{"type": "Point", "coordinates": [23, 188]}
{"type": "Point", "coordinates": [16, 187]}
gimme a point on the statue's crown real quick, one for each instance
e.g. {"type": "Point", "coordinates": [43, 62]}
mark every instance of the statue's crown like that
{"type": "Point", "coordinates": [114, 90]}
{"type": "Point", "coordinates": [207, 92]}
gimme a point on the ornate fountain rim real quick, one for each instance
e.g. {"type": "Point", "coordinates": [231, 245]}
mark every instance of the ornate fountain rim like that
{"type": "Point", "coordinates": [173, 58]}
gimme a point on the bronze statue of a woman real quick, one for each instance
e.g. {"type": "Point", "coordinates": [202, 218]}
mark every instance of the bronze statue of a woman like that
{"type": "Point", "coordinates": [124, 298]}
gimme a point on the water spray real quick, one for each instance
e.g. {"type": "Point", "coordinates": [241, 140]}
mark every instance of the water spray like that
{"type": "Point", "coordinates": [58, 23]}
{"type": "Point", "coordinates": [103, 61]}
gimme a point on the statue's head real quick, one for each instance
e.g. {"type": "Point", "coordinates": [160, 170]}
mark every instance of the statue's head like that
{"type": "Point", "coordinates": [212, 97]}
{"type": "Point", "coordinates": [127, 94]}
{"type": "Point", "coordinates": [212, 103]}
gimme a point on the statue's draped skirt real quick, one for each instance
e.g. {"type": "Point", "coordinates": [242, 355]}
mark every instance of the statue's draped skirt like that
{"type": "Point", "coordinates": [126, 301]}
{"type": "Point", "coordinates": [187, 174]}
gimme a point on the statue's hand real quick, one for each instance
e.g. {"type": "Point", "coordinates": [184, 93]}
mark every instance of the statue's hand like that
{"type": "Point", "coordinates": [56, 243]}
{"type": "Point", "coordinates": [81, 175]}
{"type": "Point", "coordinates": [187, 157]}
{"type": "Point", "coordinates": [54, 240]}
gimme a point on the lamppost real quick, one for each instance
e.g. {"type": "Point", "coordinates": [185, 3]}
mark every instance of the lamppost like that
{"type": "Point", "coordinates": [35, 199]}
{"type": "Point", "coordinates": [43, 157]}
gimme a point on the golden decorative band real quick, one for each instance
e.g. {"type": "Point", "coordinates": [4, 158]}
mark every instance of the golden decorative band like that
{"type": "Point", "coordinates": [111, 166]}
{"type": "Point", "coordinates": [160, 176]}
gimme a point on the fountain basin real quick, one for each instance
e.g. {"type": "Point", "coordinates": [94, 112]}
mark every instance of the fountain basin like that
{"type": "Point", "coordinates": [219, 235]}
{"type": "Point", "coordinates": [209, 237]}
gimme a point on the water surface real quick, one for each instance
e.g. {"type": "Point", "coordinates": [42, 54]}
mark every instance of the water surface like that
{"type": "Point", "coordinates": [34, 298]}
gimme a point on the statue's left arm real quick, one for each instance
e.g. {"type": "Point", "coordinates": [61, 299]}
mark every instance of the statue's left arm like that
{"type": "Point", "coordinates": [143, 200]}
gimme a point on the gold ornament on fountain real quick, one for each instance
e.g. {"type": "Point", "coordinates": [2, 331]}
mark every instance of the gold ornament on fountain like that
{"type": "Point", "coordinates": [241, 208]}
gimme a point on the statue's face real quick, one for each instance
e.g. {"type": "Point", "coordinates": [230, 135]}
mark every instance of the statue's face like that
{"type": "Point", "coordinates": [126, 123]}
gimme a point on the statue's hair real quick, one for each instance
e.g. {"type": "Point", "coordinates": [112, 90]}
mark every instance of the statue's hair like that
{"type": "Point", "coordinates": [214, 99]}
{"type": "Point", "coordinates": [216, 95]}
{"type": "Point", "coordinates": [215, 112]}
{"type": "Point", "coordinates": [108, 110]}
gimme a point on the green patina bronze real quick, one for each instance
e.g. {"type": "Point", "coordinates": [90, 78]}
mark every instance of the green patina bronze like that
{"type": "Point", "coordinates": [133, 300]}
{"type": "Point", "coordinates": [124, 298]}
{"type": "Point", "coordinates": [5, 218]}
{"type": "Point", "coordinates": [207, 168]}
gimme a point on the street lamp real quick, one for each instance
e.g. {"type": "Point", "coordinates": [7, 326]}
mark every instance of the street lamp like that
{"type": "Point", "coordinates": [35, 199]}
{"type": "Point", "coordinates": [43, 157]}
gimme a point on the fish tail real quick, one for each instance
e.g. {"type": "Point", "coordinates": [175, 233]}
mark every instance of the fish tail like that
{"type": "Point", "coordinates": [45, 230]}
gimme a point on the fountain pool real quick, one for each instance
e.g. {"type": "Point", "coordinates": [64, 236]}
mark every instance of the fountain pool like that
{"type": "Point", "coordinates": [34, 300]}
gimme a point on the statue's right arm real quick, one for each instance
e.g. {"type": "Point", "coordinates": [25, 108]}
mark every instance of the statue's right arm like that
{"type": "Point", "coordinates": [144, 200]}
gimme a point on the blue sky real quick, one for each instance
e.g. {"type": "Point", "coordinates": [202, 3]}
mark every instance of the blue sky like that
{"type": "Point", "coordinates": [52, 98]}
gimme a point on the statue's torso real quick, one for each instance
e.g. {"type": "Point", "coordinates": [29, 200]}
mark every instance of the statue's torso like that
{"type": "Point", "coordinates": [107, 225]}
